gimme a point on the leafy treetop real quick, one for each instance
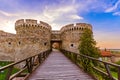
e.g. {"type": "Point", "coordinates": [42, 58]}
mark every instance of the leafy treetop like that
{"type": "Point", "coordinates": [88, 44]}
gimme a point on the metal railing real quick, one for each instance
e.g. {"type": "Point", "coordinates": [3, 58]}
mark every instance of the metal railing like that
{"type": "Point", "coordinates": [31, 63]}
{"type": "Point", "coordinates": [105, 70]}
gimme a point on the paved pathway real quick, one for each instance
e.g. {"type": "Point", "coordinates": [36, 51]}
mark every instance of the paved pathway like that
{"type": "Point", "coordinates": [58, 67]}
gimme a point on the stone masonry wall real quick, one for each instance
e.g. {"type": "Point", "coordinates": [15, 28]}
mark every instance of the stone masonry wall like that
{"type": "Point", "coordinates": [70, 35]}
{"type": "Point", "coordinates": [7, 46]}
{"type": "Point", "coordinates": [33, 37]}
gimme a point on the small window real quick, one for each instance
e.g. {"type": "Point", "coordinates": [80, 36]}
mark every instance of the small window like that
{"type": "Point", "coordinates": [19, 42]}
{"type": "Point", "coordinates": [9, 43]}
{"type": "Point", "coordinates": [45, 43]}
{"type": "Point", "coordinates": [72, 45]}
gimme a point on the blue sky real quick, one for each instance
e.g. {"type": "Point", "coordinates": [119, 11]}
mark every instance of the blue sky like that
{"type": "Point", "coordinates": [103, 15]}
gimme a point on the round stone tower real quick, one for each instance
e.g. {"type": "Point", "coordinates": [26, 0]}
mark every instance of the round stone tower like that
{"type": "Point", "coordinates": [32, 32]}
{"type": "Point", "coordinates": [32, 37]}
{"type": "Point", "coordinates": [70, 35]}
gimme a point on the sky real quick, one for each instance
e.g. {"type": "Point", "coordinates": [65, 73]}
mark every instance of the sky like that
{"type": "Point", "coordinates": [103, 15]}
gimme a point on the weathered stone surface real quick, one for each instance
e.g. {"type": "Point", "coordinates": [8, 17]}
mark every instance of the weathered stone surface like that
{"type": "Point", "coordinates": [70, 36]}
{"type": "Point", "coordinates": [7, 46]}
{"type": "Point", "coordinates": [32, 38]}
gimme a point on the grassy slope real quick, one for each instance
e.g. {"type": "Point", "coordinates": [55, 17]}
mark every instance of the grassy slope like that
{"type": "Point", "coordinates": [3, 73]}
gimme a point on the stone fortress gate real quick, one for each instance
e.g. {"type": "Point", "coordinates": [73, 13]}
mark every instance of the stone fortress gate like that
{"type": "Point", "coordinates": [33, 37]}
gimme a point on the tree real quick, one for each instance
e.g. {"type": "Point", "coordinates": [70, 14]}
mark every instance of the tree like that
{"type": "Point", "coordinates": [88, 47]}
{"type": "Point", "coordinates": [88, 44]}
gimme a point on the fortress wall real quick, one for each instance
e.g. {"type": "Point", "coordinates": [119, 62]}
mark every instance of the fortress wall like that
{"type": "Point", "coordinates": [32, 36]}
{"type": "Point", "coordinates": [7, 46]}
{"type": "Point", "coordinates": [31, 21]}
{"type": "Point", "coordinates": [56, 35]}
{"type": "Point", "coordinates": [19, 22]}
{"type": "Point", "coordinates": [70, 35]}
{"type": "Point", "coordinates": [25, 27]}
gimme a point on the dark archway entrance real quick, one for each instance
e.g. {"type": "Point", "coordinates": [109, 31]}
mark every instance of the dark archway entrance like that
{"type": "Point", "coordinates": [56, 44]}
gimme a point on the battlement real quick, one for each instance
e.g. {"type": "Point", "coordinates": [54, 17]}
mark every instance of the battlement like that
{"type": "Point", "coordinates": [26, 21]}
{"type": "Point", "coordinates": [55, 32]}
{"type": "Point", "coordinates": [19, 22]}
{"type": "Point", "coordinates": [77, 26]}
{"type": "Point", "coordinates": [84, 25]}
{"type": "Point", "coordinates": [31, 22]}
{"type": "Point", "coordinates": [45, 25]}
{"type": "Point", "coordinates": [69, 25]}
{"type": "Point", "coordinates": [56, 35]}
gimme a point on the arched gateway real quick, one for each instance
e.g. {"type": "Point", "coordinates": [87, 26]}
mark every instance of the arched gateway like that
{"type": "Point", "coordinates": [56, 42]}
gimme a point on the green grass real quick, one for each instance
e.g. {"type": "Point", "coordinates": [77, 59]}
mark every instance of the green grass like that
{"type": "Point", "coordinates": [114, 74]}
{"type": "Point", "coordinates": [3, 73]}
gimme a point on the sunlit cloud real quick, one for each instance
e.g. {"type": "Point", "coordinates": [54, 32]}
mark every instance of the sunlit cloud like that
{"type": "Point", "coordinates": [7, 14]}
{"type": "Point", "coordinates": [59, 16]}
{"type": "Point", "coordinates": [116, 13]}
{"type": "Point", "coordinates": [114, 8]}
{"type": "Point", "coordinates": [7, 25]}
{"type": "Point", "coordinates": [75, 17]}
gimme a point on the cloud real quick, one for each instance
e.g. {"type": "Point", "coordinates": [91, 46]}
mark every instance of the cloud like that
{"type": "Point", "coordinates": [7, 25]}
{"type": "Point", "coordinates": [76, 17]}
{"type": "Point", "coordinates": [57, 15]}
{"type": "Point", "coordinates": [114, 8]}
{"type": "Point", "coordinates": [7, 14]}
{"type": "Point", "coordinates": [116, 13]}
{"type": "Point", "coordinates": [7, 21]}
{"type": "Point", "coordinates": [60, 16]}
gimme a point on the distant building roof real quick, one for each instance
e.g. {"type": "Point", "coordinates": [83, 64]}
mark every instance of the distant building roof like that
{"type": "Point", "coordinates": [106, 53]}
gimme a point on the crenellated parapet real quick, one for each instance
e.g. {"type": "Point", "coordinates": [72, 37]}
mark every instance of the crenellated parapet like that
{"type": "Point", "coordinates": [74, 27]}
{"type": "Point", "coordinates": [56, 36]}
{"type": "Point", "coordinates": [45, 25]}
{"type": "Point", "coordinates": [65, 28]}
{"type": "Point", "coordinates": [56, 32]}
{"type": "Point", "coordinates": [19, 22]}
{"type": "Point", "coordinates": [24, 25]}
{"type": "Point", "coordinates": [83, 26]}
